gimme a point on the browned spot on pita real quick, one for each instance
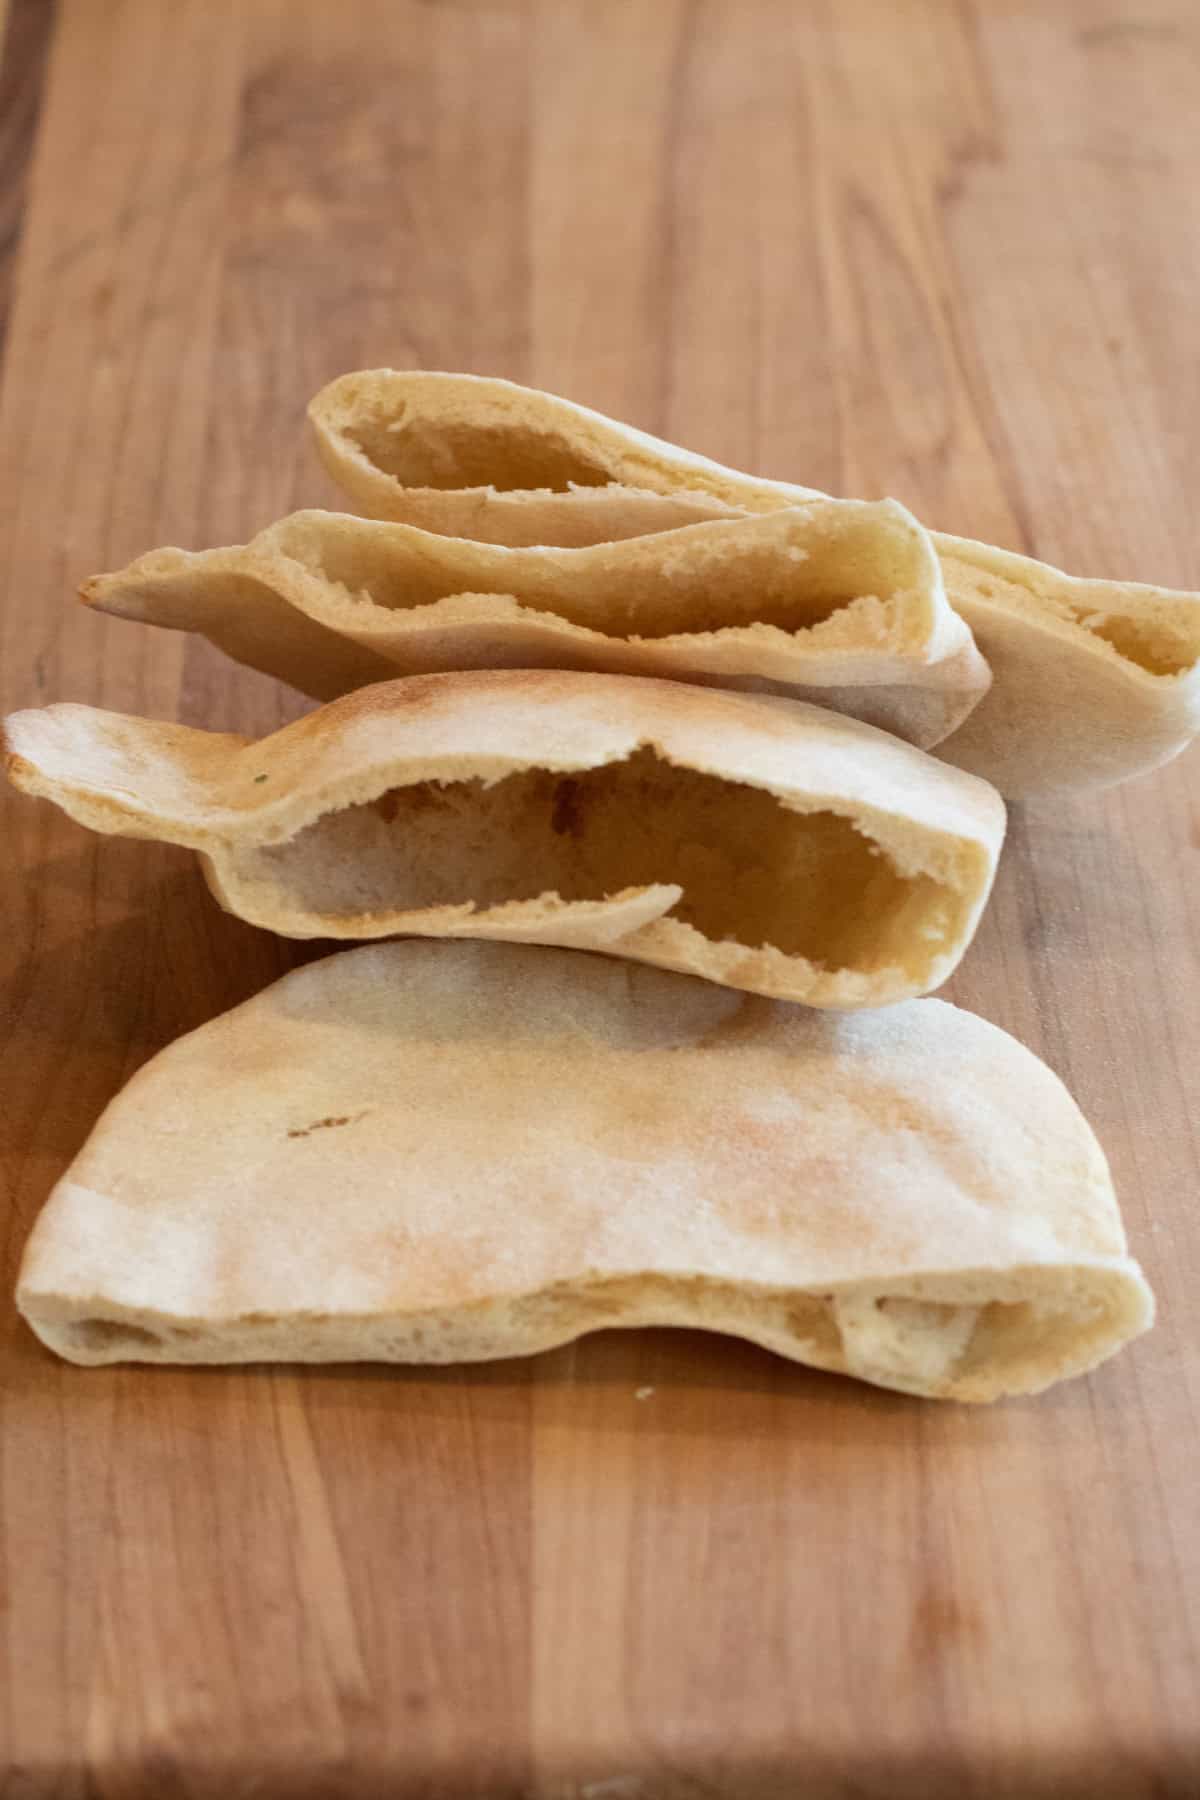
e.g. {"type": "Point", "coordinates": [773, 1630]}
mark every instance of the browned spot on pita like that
{"type": "Point", "coordinates": [325, 1124]}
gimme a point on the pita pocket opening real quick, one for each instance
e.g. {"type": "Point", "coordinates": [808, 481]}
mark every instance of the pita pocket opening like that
{"type": "Point", "coordinates": [1093, 681]}
{"type": "Point", "coordinates": [838, 602]}
{"type": "Point", "coordinates": [759, 842]}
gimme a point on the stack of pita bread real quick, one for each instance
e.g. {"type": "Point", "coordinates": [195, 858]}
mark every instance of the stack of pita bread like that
{"type": "Point", "coordinates": [585, 691]}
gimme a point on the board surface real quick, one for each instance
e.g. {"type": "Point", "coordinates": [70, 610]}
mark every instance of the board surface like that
{"type": "Point", "coordinates": [946, 252]}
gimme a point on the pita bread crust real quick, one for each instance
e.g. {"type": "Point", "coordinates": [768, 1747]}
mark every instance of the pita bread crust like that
{"type": "Point", "coordinates": [837, 602]}
{"type": "Point", "coordinates": [591, 479]}
{"type": "Point", "coordinates": [419, 1152]}
{"type": "Point", "coordinates": [929, 834]}
{"type": "Point", "coordinates": [1093, 682]}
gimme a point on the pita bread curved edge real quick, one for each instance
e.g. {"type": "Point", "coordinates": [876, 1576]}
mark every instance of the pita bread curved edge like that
{"type": "Point", "coordinates": [856, 1193]}
{"type": "Point", "coordinates": [479, 456]}
{"type": "Point", "coordinates": [759, 842]}
{"type": "Point", "coordinates": [1093, 682]}
{"type": "Point", "coordinates": [838, 602]}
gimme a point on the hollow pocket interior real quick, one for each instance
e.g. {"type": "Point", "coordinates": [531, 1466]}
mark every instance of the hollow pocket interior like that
{"type": "Point", "coordinates": [814, 885]}
{"type": "Point", "coordinates": [1160, 635]}
{"type": "Point", "coordinates": [506, 456]}
{"type": "Point", "coordinates": [696, 581]}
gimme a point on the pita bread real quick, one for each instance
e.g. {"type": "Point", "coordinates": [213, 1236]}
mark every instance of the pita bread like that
{"type": "Point", "coordinates": [441, 1153]}
{"type": "Point", "coordinates": [474, 457]}
{"type": "Point", "coordinates": [836, 601]}
{"type": "Point", "coordinates": [1093, 681]}
{"type": "Point", "coordinates": [759, 842]}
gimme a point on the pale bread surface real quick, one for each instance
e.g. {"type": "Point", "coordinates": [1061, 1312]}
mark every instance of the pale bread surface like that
{"type": "Point", "coordinates": [1093, 681]}
{"type": "Point", "coordinates": [837, 602]}
{"type": "Point", "coordinates": [433, 1153]}
{"type": "Point", "coordinates": [759, 842]}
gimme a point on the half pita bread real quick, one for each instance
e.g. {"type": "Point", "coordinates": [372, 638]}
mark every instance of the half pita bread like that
{"type": "Point", "coordinates": [1093, 681]}
{"type": "Point", "coordinates": [759, 842]}
{"type": "Point", "coordinates": [837, 601]}
{"type": "Point", "coordinates": [442, 1153]}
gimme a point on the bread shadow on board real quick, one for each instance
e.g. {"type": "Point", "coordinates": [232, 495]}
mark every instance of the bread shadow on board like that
{"type": "Point", "coordinates": [610, 1381]}
{"type": "Point", "coordinates": [654, 1771]}
{"type": "Point", "coordinates": [655, 1383]}
{"type": "Point", "coordinates": [667, 1380]}
{"type": "Point", "coordinates": [863, 1772]}
{"type": "Point", "coordinates": [133, 924]}
{"type": "Point", "coordinates": [101, 970]}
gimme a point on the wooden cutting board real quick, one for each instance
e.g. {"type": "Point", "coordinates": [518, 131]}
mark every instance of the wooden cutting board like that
{"type": "Point", "coordinates": [949, 253]}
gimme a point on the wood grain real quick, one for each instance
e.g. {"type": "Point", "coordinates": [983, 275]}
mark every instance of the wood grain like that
{"type": "Point", "coordinates": [944, 252]}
